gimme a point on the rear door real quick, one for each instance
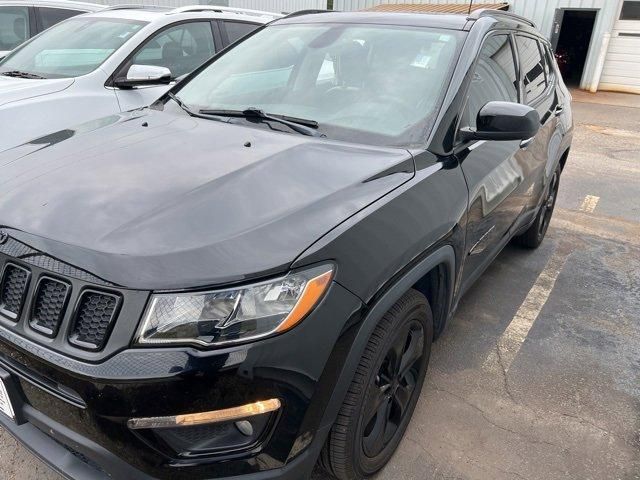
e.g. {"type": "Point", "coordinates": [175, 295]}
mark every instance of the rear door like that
{"type": "Point", "coordinates": [496, 172]}
{"type": "Point", "coordinates": [181, 48]}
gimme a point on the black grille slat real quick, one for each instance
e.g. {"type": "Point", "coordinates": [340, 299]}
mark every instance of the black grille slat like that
{"type": "Point", "coordinates": [49, 306]}
{"type": "Point", "coordinates": [94, 317]}
{"type": "Point", "coordinates": [13, 289]}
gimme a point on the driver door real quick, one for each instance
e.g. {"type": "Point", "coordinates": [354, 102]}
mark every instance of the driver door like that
{"type": "Point", "coordinates": [180, 48]}
{"type": "Point", "coordinates": [495, 170]}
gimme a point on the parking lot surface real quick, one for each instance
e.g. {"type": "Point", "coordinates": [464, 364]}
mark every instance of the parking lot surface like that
{"type": "Point", "coordinates": [538, 374]}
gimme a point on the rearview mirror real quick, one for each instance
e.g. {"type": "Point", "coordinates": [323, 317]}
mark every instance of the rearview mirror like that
{"type": "Point", "coordinates": [504, 121]}
{"type": "Point", "coordinates": [139, 75]}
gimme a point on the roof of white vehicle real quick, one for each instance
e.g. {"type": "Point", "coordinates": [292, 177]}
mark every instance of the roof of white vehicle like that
{"type": "Point", "coordinates": [71, 5]}
{"type": "Point", "coordinates": [151, 14]}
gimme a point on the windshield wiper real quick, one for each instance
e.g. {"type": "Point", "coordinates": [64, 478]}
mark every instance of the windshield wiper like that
{"type": "Point", "coordinates": [19, 74]}
{"type": "Point", "coordinates": [300, 125]}
{"type": "Point", "coordinates": [184, 107]}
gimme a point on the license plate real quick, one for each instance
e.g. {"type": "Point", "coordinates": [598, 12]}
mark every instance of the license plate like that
{"type": "Point", "coordinates": [5, 402]}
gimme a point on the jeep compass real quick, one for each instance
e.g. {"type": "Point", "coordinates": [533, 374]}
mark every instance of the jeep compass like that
{"type": "Point", "coordinates": [246, 278]}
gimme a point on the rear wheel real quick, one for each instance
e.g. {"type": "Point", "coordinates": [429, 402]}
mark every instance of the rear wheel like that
{"type": "Point", "coordinates": [383, 393]}
{"type": "Point", "coordinates": [532, 238]}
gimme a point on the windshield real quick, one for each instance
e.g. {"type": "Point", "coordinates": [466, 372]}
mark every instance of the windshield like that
{"type": "Point", "coordinates": [72, 48]}
{"type": "Point", "coordinates": [374, 84]}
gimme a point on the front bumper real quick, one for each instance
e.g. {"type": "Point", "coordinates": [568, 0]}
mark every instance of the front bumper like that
{"type": "Point", "coordinates": [73, 414]}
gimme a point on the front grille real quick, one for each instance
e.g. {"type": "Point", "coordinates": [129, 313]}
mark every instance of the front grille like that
{"type": "Point", "coordinates": [94, 318]}
{"type": "Point", "coordinates": [49, 306]}
{"type": "Point", "coordinates": [13, 289]}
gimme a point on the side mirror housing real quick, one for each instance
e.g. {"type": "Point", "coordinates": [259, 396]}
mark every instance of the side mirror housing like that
{"type": "Point", "coordinates": [504, 121]}
{"type": "Point", "coordinates": [141, 75]}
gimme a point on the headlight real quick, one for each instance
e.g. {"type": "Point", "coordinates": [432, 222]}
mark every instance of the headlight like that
{"type": "Point", "coordinates": [235, 314]}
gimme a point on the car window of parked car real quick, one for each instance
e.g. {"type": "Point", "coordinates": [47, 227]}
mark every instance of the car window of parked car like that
{"type": "Point", "coordinates": [532, 67]}
{"type": "Point", "coordinates": [72, 48]}
{"type": "Point", "coordinates": [368, 83]}
{"type": "Point", "coordinates": [48, 17]}
{"type": "Point", "coordinates": [181, 49]}
{"type": "Point", "coordinates": [237, 30]}
{"type": "Point", "coordinates": [14, 26]}
{"type": "Point", "coordinates": [494, 78]}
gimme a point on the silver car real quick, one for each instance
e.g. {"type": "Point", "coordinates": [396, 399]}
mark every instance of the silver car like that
{"type": "Point", "coordinates": [100, 64]}
{"type": "Point", "coordinates": [20, 19]}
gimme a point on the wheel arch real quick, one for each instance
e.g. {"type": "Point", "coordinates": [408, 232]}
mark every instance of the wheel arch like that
{"type": "Point", "coordinates": [433, 275]}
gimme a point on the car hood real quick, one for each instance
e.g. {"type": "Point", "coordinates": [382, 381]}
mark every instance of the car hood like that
{"type": "Point", "coordinates": [16, 89]}
{"type": "Point", "coordinates": [163, 201]}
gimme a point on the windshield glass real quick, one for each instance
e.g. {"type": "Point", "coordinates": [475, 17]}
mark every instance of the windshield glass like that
{"type": "Point", "coordinates": [72, 48]}
{"type": "Point", "coordinates": [374, 84]}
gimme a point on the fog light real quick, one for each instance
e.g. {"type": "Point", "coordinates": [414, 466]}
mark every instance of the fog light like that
{"type": "Point", "coordinates": [208, 433]}
{"type": "Point", "coordinates": [214, 416]}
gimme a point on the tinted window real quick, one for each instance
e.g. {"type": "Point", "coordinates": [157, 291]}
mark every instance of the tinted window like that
{"type": "Point", "coordinates": [630, 11]}
{"type": "Point", "coordinates": [72, 48]}
{"type": "Point", "coordinates": [50, 16]}
{"type": "Point", "coordinates": [364, 83]}
{"type": "Point", "coordinates": [181, 49]}
{"type": "Point", "coordinates": [494, 78]}
{"type": "Point", "coordinates": [532, 67]}
{"type": "Point", "coordinates": [237, 30]}
{"type": "Point", "coordinates": [14, 26]}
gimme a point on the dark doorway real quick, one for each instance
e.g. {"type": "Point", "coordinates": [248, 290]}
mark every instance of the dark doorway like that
{"type": "Point", "coordinates": [571, 39]}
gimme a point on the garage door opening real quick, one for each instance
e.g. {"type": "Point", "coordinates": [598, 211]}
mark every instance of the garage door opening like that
{"type": "Point", "coordinates": [573, 30]}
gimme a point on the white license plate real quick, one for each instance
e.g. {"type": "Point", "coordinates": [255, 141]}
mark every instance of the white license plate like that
{"type": "Point", "coordinates": [5, 402]}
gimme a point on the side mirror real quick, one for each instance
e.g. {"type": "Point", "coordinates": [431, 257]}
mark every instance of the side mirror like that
{"type": "Point", "coordinates": [140, 75]}
{"type": "Point", "coordinates": [504, 121]}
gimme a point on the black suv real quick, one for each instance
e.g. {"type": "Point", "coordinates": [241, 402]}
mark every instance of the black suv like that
{"type": "Point", "coordinates": [247, 276]}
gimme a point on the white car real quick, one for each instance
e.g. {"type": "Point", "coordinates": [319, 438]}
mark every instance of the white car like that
{"type": "Point", "coordinates": [100, 64]}
{"type": "Point", "coordinates": [21, 19]}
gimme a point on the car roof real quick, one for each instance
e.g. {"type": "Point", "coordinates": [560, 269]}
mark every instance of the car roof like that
{"type": "Point", "coordinates": [454, 22]}
{"type": "Point", "coordinates": [432, 20]}
{"type": "Point", "coordinates": [66, 4]}
{"type": "Point", "coordinates": [152, 14]}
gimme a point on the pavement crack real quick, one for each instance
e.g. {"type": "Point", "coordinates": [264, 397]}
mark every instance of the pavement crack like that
{"type": "Point", "coordinates": [485, 416]}
{"type": "Point", "coordinates": [505, 378]}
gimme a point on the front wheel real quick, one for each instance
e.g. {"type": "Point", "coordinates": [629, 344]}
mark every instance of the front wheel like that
{"type": "Point", "coordinates": [383, 393]}
{"type": "Point", "coordinates": [533, 236]}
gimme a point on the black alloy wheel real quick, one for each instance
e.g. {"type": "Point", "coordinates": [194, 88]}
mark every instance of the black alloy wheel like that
{"type": "Point", "coordinates": [383, 393]}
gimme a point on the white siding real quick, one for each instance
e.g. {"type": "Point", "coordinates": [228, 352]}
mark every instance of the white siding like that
{"type": "Point", "coordinates": [621, 70]}
{"type": "Point", "coordinates": [280, 6]}
{"type": "Point", "coordinates": [277, 6]}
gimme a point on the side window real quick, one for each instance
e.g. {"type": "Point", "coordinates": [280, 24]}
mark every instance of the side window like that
{"type": "Point", "coordinates": [50, 16]}
{"type": "Point", "coordinates": [494, 78]}
{"type": "Point", "coordinates": [532, 67]}
{"type": "Point", "coordinates": [549, 63]}
{"type": "Point", "coordinates": [181, 49]}
{"type": "Point", "coordinates": [14, 26]}
{"type": "Point", "coordinates": [237, 30]}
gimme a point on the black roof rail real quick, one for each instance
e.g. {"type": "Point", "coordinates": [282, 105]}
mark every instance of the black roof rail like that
{"type": "Point", "coordinates": [306, 12]}
{"type": "Point", "coordinates": [492, 12]}
{"type": "Point", "coordinates": [134, 6]}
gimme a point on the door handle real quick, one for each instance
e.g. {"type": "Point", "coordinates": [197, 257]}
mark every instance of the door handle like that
{"type": "Point", "coordinates": [527, 142]}
{"type": "Point", "coordinates": [559, 109]}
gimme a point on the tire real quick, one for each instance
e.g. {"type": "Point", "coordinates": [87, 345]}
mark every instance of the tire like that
{"type": "Point", "coordinates": [360, 444]}
{"type": "Point", "coordinates": [534, 235]}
